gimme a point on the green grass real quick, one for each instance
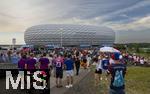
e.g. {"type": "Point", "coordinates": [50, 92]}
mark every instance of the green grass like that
{"type": "Point", "coordinates": [146, 55]}
{"type": "Point", "coordinates": [137, 81]}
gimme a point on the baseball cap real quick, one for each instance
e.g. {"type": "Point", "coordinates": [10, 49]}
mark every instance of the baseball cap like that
{"type": "Point", "coordinates": [116, 56]}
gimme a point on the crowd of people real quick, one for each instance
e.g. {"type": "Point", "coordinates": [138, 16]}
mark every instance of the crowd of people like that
{"type": "Point", "coordinates": [112, 65]}
{"type": "Point", "coordinates": [57, 61]}
{"type": "Point", "coordinates": [9, 56]}
{"type": "Point", "coordinates": [136, 60]}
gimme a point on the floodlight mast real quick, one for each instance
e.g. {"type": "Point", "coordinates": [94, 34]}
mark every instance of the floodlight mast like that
{"type": "Point", "coordinates": [61, 30]}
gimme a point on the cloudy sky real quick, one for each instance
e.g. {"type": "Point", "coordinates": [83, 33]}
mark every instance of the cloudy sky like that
{"type": "Point", "coordinates": [130, 19]}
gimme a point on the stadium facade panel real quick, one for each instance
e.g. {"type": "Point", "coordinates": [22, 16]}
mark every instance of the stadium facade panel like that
{"type": "Point", "coordinates": [68, 35]}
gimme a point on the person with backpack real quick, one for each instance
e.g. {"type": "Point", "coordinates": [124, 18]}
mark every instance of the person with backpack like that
{"type": "Point", "coordinates": [117, 72]}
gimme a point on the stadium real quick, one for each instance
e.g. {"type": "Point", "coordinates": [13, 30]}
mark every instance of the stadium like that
{"type": "Point", "coordinates": [68, 35]}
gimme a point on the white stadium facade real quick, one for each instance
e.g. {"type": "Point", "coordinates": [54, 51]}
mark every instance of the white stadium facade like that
{"type": "Point", "coordinates": [69, 35]}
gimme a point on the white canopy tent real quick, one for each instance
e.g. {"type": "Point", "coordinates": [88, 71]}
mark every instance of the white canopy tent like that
{"type": "Point", "coordinates": [109, 49]}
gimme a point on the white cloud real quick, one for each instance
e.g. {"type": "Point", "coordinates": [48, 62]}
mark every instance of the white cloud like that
{"type": "Point", "coordinates": [133, 7]}
{"type": "Point", "coordinates": [6, 37]}
{"type": "Point", "coordinates": [138, 24]}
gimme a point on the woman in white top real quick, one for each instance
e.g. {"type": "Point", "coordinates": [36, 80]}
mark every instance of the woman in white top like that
{"type": "Point", "coordinates": [142, 61]}
{"type": "Point", "coordinates": [88, 61]}
{"type": "Point", "coordinates": [98, 71]}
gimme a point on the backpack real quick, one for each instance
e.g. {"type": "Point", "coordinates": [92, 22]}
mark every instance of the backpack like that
{"type": "Point", "coordinates": [118, 79]}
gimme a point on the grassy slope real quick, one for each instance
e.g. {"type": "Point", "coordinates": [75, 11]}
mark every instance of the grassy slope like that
{"type": "Point", "coordinates": [138, 80]}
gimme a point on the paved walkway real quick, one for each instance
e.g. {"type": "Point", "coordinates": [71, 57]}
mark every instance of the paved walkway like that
{"type": "Point", "coordinates": [55, 90]}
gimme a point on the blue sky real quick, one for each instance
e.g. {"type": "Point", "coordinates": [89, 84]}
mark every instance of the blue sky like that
{"type": "Point", "coordinates": [130, 19]}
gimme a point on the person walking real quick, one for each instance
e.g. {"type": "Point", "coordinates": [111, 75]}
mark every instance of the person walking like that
{"type": "Point", "coordinates": [117, 72]}
{"type": "Point", "coordinates": [31, 67]}
{"type": "Point", "coordinates": [84, 61]}
{"type": "Point", "coordinates": [69, 66]}
{"type": "Point", "coordinates": [44, 67]}
{"type": "Point", "coordinates": [77, 64]}
{"type": "Point", "coordinates": [98, 70]}
{"type": "Point", "coordinates": [88, 61]}
{"type": "Point", "coordinates": [50, 57]}
{"type": "Point", "coordinates": [21, 67]}
{"type": "Point", "coordinates": [15, 58]}
{"type": "Point", "coordinates": [22, 62]}
{"type": "Point", "coordinates": [105, 64]}
{"type": "Point", "coordinates": [59, 64]}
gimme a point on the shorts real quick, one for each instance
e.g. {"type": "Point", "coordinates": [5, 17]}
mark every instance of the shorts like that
{"type": "Point", "coordinates": [99, 71]}
{"type": "Point", "coordinates": [59, 73]}
{"type": "Point", "coordinates": [121, 91]}
{"type": "Point", "coordinates": [69, 72]}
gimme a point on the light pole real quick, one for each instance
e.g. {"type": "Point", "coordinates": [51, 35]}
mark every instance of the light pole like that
{"type": "Point", "coordinates": [61, 36]}
{"type": "Point", "coordinates": [13, 43]}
